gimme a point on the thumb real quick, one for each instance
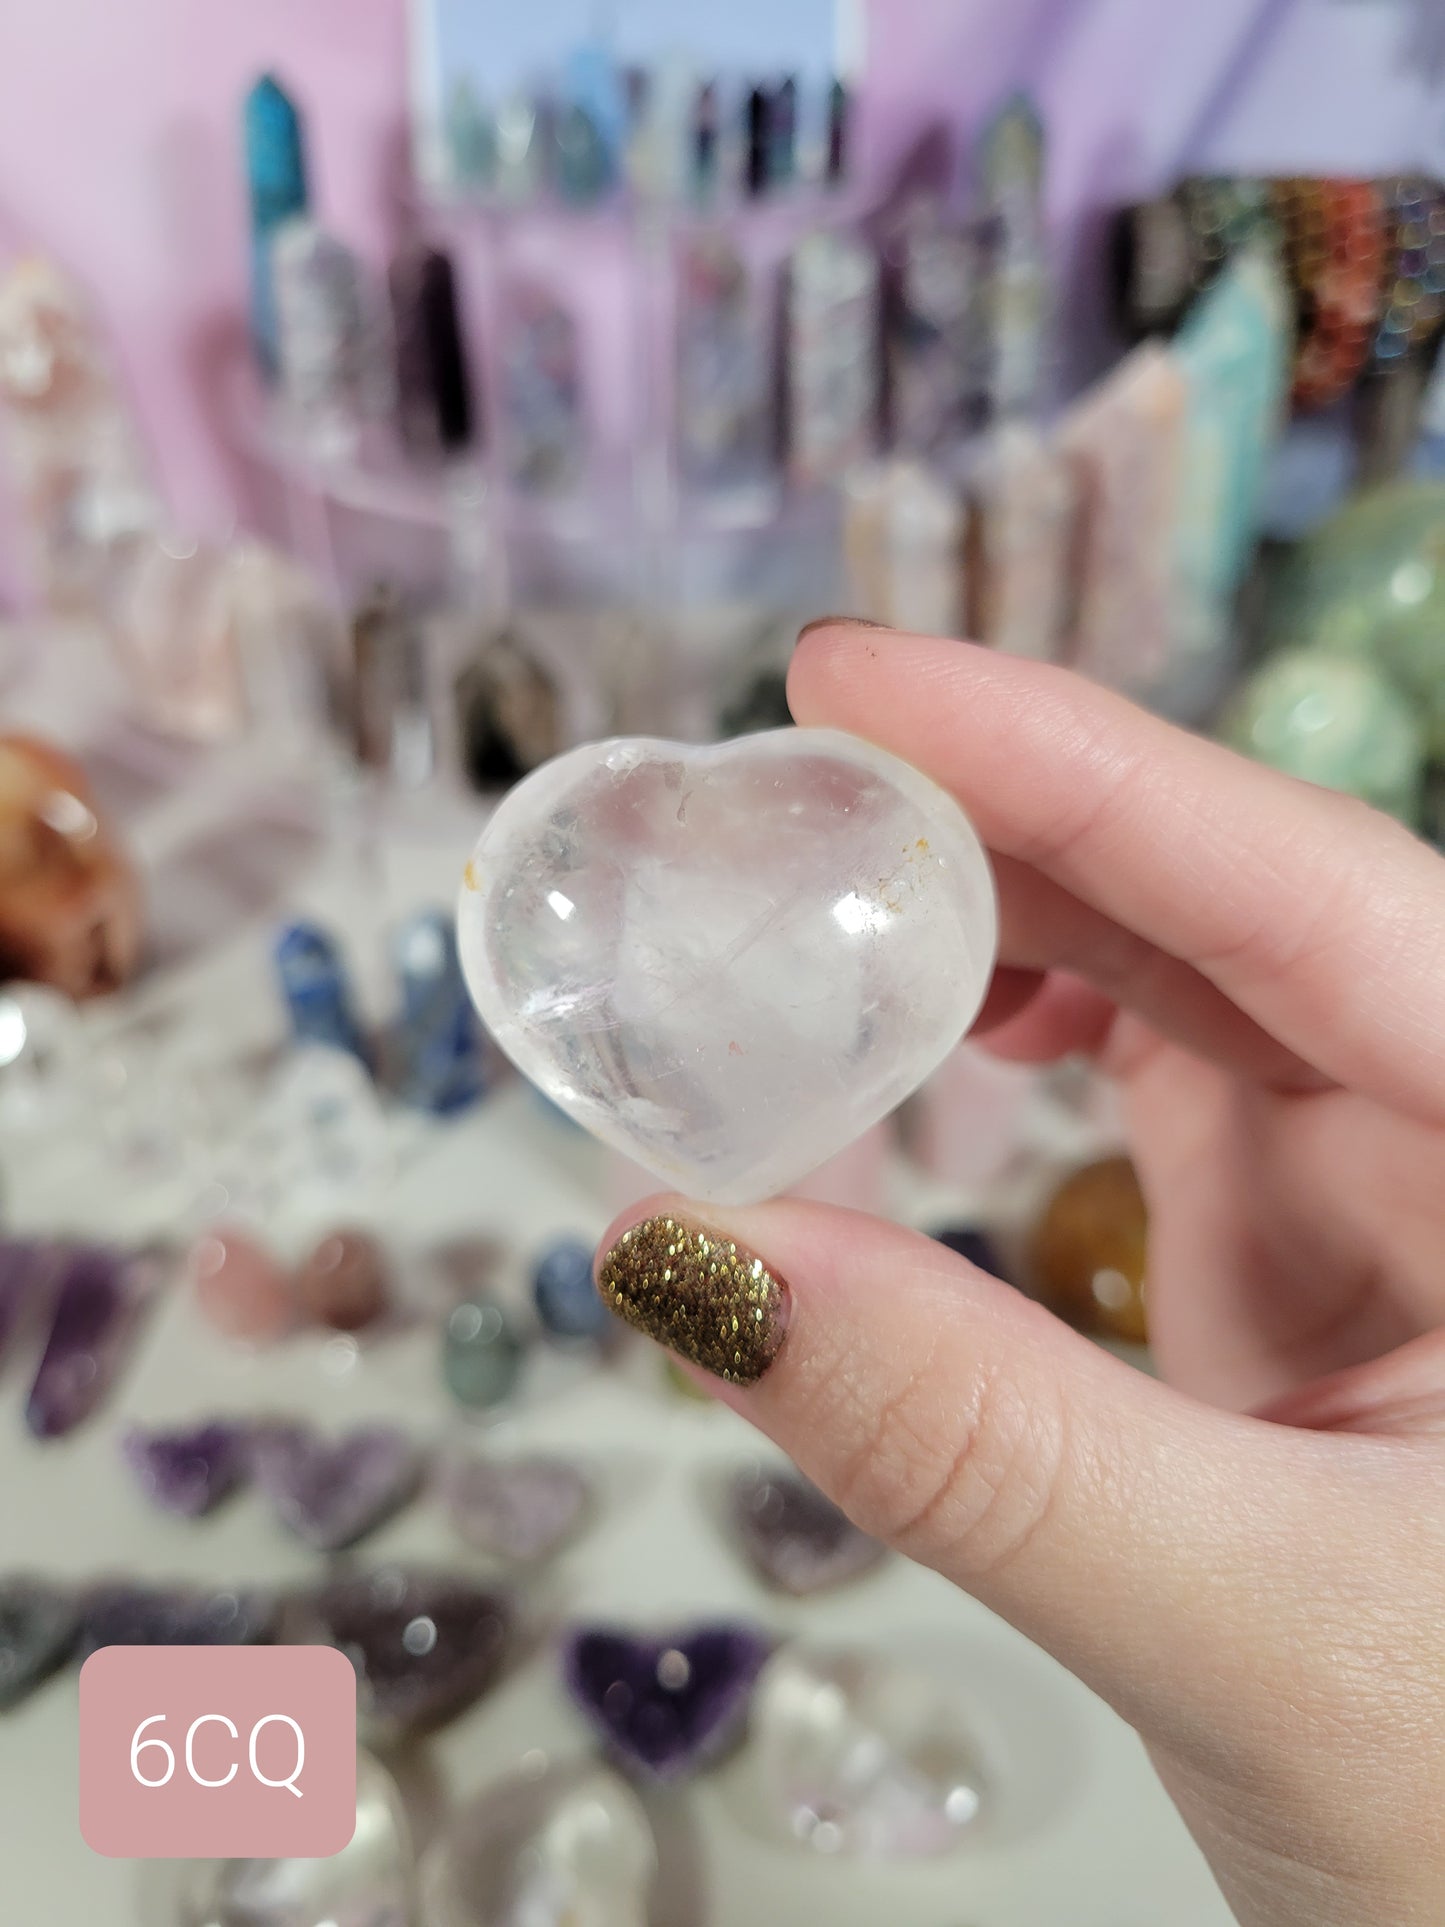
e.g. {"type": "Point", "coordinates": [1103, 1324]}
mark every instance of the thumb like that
{"type": "Point", "coordinates": [1171, 1555]}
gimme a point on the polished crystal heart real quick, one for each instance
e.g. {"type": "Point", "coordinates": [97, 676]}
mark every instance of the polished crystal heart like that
{"type": "Point", "coordinates": [857, 1754]}
{"type": "Point", "coordinates": [728, 962]}
{"type": "Point", "coordinates": [424, 1644]}
{"type": "Point", "coordinates": [793, 1536]}
{"type": "Point", "coordinates": [521, 1510]}
{"type": "Point", "coordinates": [666, 1705]}
{"type": "Point", "coordinates": [367, 1884]}
{"type": "Point", "coordinates": [569, 1846]}
{"type": "Point", "coordinates": [187, 1472]}
{"type": "Point", "coordinates": [332, 1492]}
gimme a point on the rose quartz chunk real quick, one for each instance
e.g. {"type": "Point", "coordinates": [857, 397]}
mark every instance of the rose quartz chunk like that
{"type": "Point", "coordinates": [240, 1287]}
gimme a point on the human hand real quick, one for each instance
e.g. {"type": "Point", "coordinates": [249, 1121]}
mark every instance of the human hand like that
{"type": "Point", "coordinates": [1247, 1561]}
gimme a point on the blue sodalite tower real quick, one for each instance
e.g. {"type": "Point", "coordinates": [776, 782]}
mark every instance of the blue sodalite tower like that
{"type": "Point", "coordinates": [276, 179]}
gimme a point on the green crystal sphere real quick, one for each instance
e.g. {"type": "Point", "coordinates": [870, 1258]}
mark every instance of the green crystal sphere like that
{"type": "Point", "coordinates": [1334, 721]}
{"type": "Point", "coordinates": [1370, 584]}
{"type": "Point", "coordinates": [481, 1354]}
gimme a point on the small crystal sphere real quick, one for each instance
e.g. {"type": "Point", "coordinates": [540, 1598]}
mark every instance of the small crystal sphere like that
{"type": "Point", "coordinates": [728, 962]}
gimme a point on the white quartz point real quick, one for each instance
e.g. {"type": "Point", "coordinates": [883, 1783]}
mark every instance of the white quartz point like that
{"type": "Point", "coordinates": [728, 962]}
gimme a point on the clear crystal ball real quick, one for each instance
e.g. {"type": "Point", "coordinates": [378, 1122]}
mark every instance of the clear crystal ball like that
{"type": "Point", "coordinates": [728, 962]}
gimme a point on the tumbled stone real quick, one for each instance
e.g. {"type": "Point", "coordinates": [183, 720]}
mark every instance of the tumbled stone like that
{"type": "Point", "coordinates": [1089, 1251]}
{"type": "Point", "coordinates": [481, 1354]}
{"type": "Point", "coordinates": [342, 1282]}
{"type": "Point", "coordinates": [667, 1705]}
{"type": "Point", "coordinates": [240, 1287]}
{"type": "Point", "coordinates": [566, 1296]}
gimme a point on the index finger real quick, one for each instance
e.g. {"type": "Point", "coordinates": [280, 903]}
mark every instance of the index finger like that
{"type": "Point", "coordinates": [1317, 917]}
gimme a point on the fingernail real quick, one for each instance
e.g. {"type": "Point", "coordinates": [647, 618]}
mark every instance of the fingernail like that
{"type": "Point", "coordinates": [839, 622]}
{"type": "Point", "coordinates": [698, 1294]}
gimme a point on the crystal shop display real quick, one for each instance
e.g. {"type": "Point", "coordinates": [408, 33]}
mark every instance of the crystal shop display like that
{"type": "Point", "coordinates": [317, 991]}
{"type": "Point", "coordinates": [542, 427]}
{"type": "Point", "coordinates": [240, 1287]}
{"type": "Point", "coordinates": [438, 1045]}
{"type": "Point", "coordinates": [393, 727]}
{"type": "Point", "coordinates": [470, 138]}
{"type": "Point", "coordinates": [904, 540]}
{"type": "Point", "coordinates": [566, 1296]}
{"type": "Point", "coordinates": [323, 335]}
{"type": "Point", "coordinates": [571, 1847]}
{"type": "Point", "coordinates": [81, 482]}
{"type": "Point", "coordinates": [98, 1300]}
{"type": "Point", "coordinates": [482, 1354]}
{"type": "Point", "coordinates": [276, 176]}
{"type": "Point", "coordinates": [1021, 545]}
{"type": "Point", "coordinates": [70, 903]}
{"type": "Point", "coordinates": [834, 362]}
{"type": "Point", "coordinates": [342, 1283]}
{"type": "Point", "coordinates": [728, 962]}
{"type": "Point", "coordinates": [1088, 1253]}
{"type": "Point", "coordinates": [367, 1884]}
{"type": "Point", "coordinates": [1124, 441]}
{"type": "Point", "coordinates": [434, 390]}
{"type": "Point", "coordinates": [1370, 583]}
{"type": "Point", "coordinates": [724, 374]}
{"type": "Point", "coordinates": [933, 333]}
{"type": "Point", "coordinates": [509, 712]}
{"type": "Point", "coordinates": [1233, 351]}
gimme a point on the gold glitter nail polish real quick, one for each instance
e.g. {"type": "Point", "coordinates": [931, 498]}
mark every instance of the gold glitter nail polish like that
{"type": "Point", "coordinates": [699, 1295]}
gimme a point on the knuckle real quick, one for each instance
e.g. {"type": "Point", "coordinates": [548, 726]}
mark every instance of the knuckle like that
{"type": "Point", "coordinates": [964, 1484]}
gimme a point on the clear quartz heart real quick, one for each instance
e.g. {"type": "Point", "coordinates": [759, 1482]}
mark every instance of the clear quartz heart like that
{"type": "Point", "coordinates": [860, 1755]}
{"type": "Point", "coordinates": [728, 962]}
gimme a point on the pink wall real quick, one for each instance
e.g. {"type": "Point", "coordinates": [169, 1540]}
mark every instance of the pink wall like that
{"type": "Point", "coordinates": [119, 139]}
{"type": "Point", "coordinates": [120, 154]}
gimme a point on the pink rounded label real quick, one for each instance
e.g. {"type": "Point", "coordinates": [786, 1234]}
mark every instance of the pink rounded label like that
{"type": "Point", "coordinates": [224, 1752]}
